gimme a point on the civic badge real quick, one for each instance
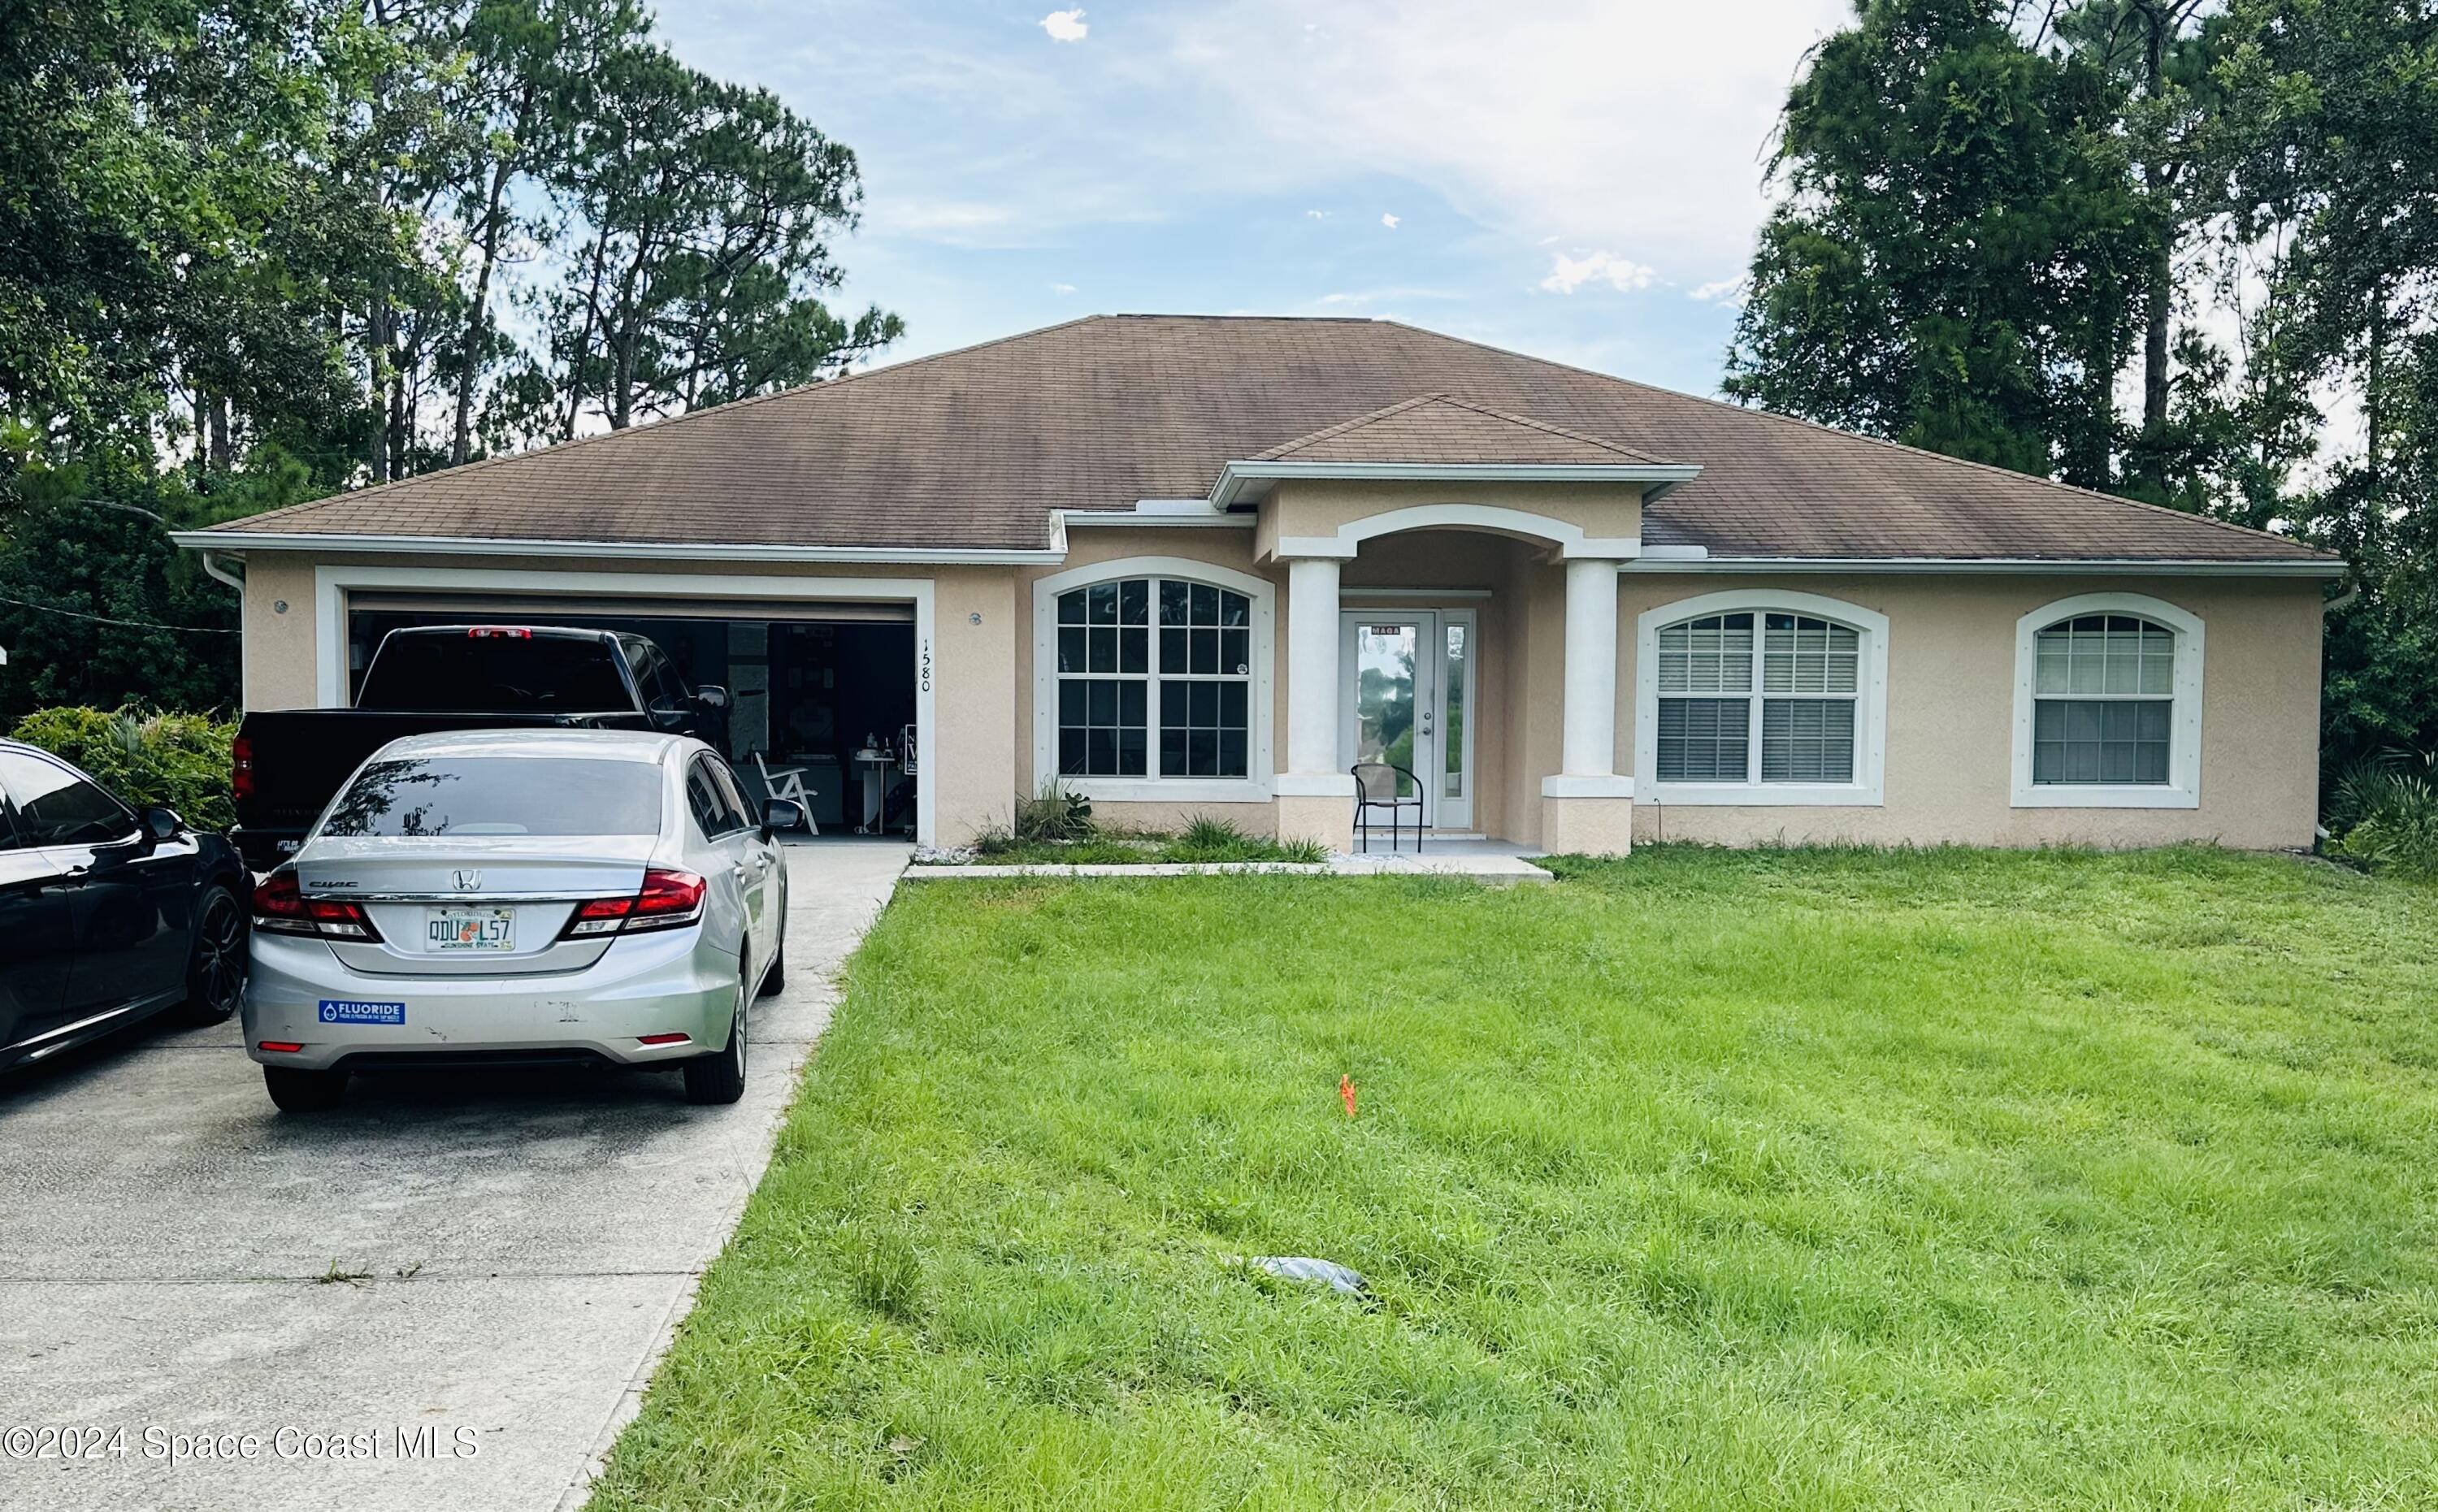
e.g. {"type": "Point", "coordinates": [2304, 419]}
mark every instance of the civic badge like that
{"type": "Point", "coordinates": [467, 881]}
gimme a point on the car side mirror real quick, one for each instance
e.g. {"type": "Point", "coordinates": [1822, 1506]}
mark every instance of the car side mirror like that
{"type": "Point", "coordinates": [162, 824]}
{"type": "Point", "coordinates": [780, 814]}
{"type": "Point", "coordinates": [711, 696]}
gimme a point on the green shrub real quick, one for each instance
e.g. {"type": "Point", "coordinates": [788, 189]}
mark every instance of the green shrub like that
{"type": "Point", "coordinates": [1052, 815]}
{"type": "Point", "coordinates": [177, 761]}
{"type": "Point", "coordinates": [2385, 813]}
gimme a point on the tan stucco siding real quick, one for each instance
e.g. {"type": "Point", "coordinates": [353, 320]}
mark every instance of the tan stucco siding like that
{"type": "Point", "coordinates": [1321, 507]}
{"type": "Point", "coordinates": [974, 702]}
{"type": "Point", "coordinates": [1951, 715]}
{"type": "Point", "coordinates": [279, 635]}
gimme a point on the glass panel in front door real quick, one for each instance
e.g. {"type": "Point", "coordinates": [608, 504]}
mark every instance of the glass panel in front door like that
{"type": "Point", "coordinates": [1453, 808]}
{"type": "Point", "coordinates": [1386, 693]}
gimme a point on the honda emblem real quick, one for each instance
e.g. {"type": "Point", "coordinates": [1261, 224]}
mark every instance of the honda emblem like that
{"type": "Point", "coordinates": [467, 881]}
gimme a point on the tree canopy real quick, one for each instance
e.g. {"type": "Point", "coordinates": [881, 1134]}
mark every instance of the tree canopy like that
{"type": "Point", "coordinates": [255, 250]}
{"type": "Point", "coordinates": [2181, 252]}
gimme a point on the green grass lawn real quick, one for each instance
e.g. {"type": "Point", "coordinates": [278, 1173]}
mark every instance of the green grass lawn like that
{"type": "Point", "coordinates": [1702, 1178]}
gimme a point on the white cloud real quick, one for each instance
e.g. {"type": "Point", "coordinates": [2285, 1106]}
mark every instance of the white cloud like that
{"type": "Point", "coordinates": [1730, 290]}
{"type": "Point", "coordinates": [1317, 215]}
{"type": "Point", "coordinates": [1624, 275]}
{"type": "Point", "coordinates": [1062, 288]}
{"type": "Point", "coordinates": [1066, 25]}
{"type": "Point", "coordinates": [1388, 220]}
{"type": "Point", "coordinates": [1511, 115]}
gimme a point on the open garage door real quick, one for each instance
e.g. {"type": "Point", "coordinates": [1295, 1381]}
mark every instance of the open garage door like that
{"type": "Point", "coordinates": [823, 691]}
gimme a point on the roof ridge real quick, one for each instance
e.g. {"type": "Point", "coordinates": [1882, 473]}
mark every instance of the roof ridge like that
{"type": "Point", "coordinates": [1876, 441]}
{"type": "Point", "coordinates": [813, 387]}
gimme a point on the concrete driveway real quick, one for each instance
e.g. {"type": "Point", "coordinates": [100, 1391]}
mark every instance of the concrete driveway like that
{"type": "Point", "coordinates": [499, 1259]}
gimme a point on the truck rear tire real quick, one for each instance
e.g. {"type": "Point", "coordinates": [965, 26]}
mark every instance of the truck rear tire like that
{"type": "Point", "coordinates": [297, 1090]}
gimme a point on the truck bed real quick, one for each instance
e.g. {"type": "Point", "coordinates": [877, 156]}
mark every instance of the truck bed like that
{"type": "Point", "coordinates": [300, 757]}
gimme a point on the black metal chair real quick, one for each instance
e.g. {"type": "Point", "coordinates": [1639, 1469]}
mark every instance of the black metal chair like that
{"type": "Point", "coordinates": [1377, 786]}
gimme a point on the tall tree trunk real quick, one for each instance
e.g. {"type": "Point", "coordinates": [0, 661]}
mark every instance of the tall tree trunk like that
{"type": "Point", "coordinates": [377, 338]}
{"type": "Point", "coordinates": [2159, 311]}
{"type": "Point", "coordinates": [478, 318]}
{"type": "Point", "coordinates": [583, 351]}
{"type": "Point", "coordinates": [2157, 320]}
{"type": "Point", "coordinates": [216, 420]}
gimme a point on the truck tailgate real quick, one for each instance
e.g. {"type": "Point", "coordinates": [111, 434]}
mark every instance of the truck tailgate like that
{"type": "Point", "coordinates": [299, 758]}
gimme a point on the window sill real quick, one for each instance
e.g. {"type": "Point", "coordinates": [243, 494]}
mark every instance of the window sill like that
{"type": "Point", "coordinates": [1771, 795]}
{"type": "Point", "coordinates": [2066, 794]}
{"type": "Point", "coordinates": [1168, 789]}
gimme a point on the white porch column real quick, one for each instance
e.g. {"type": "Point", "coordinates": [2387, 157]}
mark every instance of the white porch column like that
{"type": "Point", "coordinates": [1312, 666]}
{"type": "Point", "coordinates": [1316, 797]}
{"type": "Point", "coordinates": [1590, 749]}
{"type": "Point", "coordinates": [1587, 806]}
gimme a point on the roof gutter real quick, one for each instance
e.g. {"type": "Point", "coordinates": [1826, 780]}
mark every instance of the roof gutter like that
{"type": "Point", "coordinates": [239, 540]}
{"type": "Point", "coordinates": [1652, 561]}
{"type": "Point", "coordinates": [1243, 479]}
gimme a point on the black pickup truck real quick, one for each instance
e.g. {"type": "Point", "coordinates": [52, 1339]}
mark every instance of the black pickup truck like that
{"type": "Point", "coordinates": [286, 763]}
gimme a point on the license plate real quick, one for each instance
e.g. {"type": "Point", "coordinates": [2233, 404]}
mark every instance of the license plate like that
{"type": "Point", "coordinates": [346, 1011]}
{"type": "Point", "coordinates": [469, 929]}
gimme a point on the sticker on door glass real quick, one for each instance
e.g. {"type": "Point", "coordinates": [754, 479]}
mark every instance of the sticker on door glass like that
{"type": "Point", "coordinates": [348, 1011]}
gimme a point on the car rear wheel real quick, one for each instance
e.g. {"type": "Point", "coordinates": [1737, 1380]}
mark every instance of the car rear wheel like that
{"type": "Point", "coordinates": [216, 959]}
{"type": "Point", "coordinates": [297, 1090]}
{"type": "Point", "coordinates": [719, 1076]}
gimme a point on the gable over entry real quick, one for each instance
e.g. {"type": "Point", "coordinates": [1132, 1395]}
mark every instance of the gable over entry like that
{"type": "Point", "coordinates": [1446, 466]}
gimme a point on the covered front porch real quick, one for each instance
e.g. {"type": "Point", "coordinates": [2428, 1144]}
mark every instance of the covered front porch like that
{"type": "Point", "coordinates": [1460, 660]}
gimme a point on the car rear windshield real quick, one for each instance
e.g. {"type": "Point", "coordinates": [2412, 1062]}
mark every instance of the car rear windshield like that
{"type": "Point", "coordinates": [493, 674]}
{"type": "Point", "coordinates": [500, 795]}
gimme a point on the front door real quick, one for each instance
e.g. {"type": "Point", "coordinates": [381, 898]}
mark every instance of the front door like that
{"type": "Point", "coordinates": [1407, 677]}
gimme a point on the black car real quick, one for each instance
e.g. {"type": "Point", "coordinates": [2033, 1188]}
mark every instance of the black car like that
{"type": "Point", "coordinates": [107, 915]}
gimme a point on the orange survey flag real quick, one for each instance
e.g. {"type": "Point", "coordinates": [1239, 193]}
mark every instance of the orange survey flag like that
{"type": "Point", "coordinates": [1346, 1091]}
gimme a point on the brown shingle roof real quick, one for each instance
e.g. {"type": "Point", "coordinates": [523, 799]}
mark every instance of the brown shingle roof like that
{"type": "Point", "coordinates": [973, 448]}
{"type": "Point", "coordinates": [1441, 428]}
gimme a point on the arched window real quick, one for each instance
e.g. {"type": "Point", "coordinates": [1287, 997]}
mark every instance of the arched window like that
{"type": "Point", "coordinates": [1151, 676]}
{"type": "Point", "coordinates": [1762, 697]}
{"type": "Point", "coordinates": [2108, 704]}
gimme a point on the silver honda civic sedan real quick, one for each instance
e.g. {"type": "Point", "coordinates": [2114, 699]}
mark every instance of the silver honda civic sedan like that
{"type": "Point", "coordinates": [501, 897]}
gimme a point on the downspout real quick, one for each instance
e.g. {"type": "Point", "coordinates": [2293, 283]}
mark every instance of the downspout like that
{"type": "Point", "coordinates": [212, 565]}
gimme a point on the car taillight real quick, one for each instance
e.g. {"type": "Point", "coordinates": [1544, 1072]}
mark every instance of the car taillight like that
{"type": "Point", "coordinates": [242, 768]}
{"type": "Point", "coordinates": [499, 632]}
{"type": "Point", "coordinates": [598, 916]}
{"type": "Point", "coordinates": [669, 900]}
{"type": "Point", "coordinates": [279, 909]}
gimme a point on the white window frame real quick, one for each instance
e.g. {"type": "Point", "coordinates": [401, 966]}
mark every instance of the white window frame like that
{"type": "Point", "coordinates": [2183, 788]}
{"type": "Point", "coordinates": [1869, 787]}
{"type": "Point", "coordinates": [1254, 788]}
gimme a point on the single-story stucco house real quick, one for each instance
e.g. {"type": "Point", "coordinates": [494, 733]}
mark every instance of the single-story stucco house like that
{"type": "Point", "coordinates": [1204, 565]}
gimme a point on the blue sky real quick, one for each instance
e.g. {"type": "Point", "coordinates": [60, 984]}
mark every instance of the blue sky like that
{"type": "Point", "coordinates": [1576, 179]}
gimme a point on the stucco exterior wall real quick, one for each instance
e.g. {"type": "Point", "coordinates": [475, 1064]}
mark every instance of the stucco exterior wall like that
{"type": "Point", "coordinates": [974, 703]}
{"type": "Point", "coordinates": [279, 649]}
{"type": "Point", "coordinates": [1952, 712]}
{"type": "Point", "coordinates": [1320, 507]}
{"type": "Point", "coordinates": [1950, 699]}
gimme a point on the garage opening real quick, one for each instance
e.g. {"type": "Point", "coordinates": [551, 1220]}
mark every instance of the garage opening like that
{"type": "Point", "coordinates": [824, 693]}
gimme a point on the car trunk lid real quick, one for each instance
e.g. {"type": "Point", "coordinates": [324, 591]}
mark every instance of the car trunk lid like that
{"type": "Point", "coordinates": [471, 905]}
